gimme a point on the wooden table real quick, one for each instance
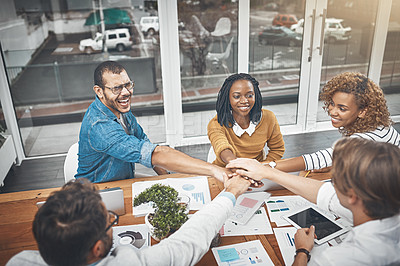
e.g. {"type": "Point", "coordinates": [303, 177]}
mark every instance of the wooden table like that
{"type": "Point", "coordinates": [17, 211]}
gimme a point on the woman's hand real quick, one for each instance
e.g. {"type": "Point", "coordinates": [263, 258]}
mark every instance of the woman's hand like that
{"type": "Point", "coordinates": [249, 168]}
{"type": "Point", "coordinates": [322, 170]}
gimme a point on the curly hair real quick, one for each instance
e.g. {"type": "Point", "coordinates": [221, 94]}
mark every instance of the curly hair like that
{"type": "Point", "coordinates": [223, 105]}
{"type": "Point", "coordinates": [107, 66]}
{"type": "Point", "coordinates": [366, 94]}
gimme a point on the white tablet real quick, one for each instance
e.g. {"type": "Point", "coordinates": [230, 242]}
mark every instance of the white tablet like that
{"type": "Point", "coordinates": [325, 228]}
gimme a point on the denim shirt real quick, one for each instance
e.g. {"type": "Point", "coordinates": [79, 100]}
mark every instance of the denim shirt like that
{"type": "Point", "coordinates": [106, 151]}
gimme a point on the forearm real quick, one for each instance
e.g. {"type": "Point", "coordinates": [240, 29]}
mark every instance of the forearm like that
{"type": "Point", "coordinates": [227, 155]}
{"type": "Point", "coordinates": [160, 171]}
{"type": "Point", "coordinates": [305, 187]}
{"type": "Point", "coordinates": [294, 164]}
{"type": "Point", "coordinates": [187, 245]}
{"type": "Point", "coordinates": [177, 161]}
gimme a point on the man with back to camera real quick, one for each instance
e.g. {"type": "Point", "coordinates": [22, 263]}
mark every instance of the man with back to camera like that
{"type": "Point", "coordinates": [111, 141]}
{"type": "Point", "coordinates": [73, 227]}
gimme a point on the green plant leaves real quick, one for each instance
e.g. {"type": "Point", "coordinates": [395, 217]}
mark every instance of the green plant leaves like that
{"type": "Point", "coordinates": [169, 215]}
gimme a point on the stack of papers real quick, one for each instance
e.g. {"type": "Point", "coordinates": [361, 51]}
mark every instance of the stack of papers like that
{"type": "Point", "coordinates": [196, 188]}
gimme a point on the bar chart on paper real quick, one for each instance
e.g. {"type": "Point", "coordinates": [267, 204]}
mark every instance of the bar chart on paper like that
{"type": "Point", "coordinates": [198, 197]}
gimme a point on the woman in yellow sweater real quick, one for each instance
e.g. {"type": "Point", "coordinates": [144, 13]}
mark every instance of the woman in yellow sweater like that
{"type": "Point", "coordinates": [241, 127]}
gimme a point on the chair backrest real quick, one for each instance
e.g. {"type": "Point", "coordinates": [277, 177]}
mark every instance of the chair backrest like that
{"type": "Point", "coordinates": [71, 162]}
{"type": "Point", "coordinates": [211, 155]}
{"type": "Point", "coordinates": [223, 27]}
{"type": "Point", "coordinates": [218, 57]}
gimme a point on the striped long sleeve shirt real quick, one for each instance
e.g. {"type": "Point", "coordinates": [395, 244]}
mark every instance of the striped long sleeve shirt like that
{"type": "Point", "coordinates": [323, 158]}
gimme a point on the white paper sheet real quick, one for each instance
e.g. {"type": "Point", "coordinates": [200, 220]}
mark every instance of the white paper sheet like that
{"type": "Point", "coordinates": [285, 238]}
{"type": "Point", "coordinates": [196, 188]}
{"type": "Point", "coordinates": [246, 253]}
{"type": "Point", "coordinates": [258, 225]}
{"type": "Point", "coordinates": [137, 235]}
{"type": "Point", "coordinates": [281, 205]}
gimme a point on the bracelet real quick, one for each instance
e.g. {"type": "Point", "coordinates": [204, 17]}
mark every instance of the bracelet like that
{"type": "Point", "coordinates": [305, 251]}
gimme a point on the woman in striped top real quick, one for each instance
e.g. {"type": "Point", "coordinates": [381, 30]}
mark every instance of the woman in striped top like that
{"type": "Point", "coordinates": [357, 108]}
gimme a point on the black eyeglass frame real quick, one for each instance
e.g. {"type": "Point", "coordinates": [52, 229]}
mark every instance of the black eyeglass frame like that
{"type": "Point", "coordinates": [116, 90]}
{"type": "Point", "coordinates": [113, 222]}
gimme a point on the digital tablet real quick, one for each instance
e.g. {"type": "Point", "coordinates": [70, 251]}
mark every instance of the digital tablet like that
{"type": "Point", "coordinates": [325, 228]}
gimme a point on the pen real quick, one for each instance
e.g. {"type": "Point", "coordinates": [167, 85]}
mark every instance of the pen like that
{"type": "Point", "coordinates": [308, 172]}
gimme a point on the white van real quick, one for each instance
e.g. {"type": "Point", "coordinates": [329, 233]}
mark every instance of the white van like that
{"type": "Point", "coordinates": [119, 39]}
{"type": "Point", "coordinates": [149, 25]}
{"type": "Point", "coordinates": [335, 29]}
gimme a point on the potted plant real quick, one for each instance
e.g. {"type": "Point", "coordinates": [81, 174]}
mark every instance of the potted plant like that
{"type": "Point", "coordinates": [169, 211]}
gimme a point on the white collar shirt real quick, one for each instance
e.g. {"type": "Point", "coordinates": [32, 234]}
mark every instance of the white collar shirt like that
{"type": "Point", "coordinates": [240, 131]}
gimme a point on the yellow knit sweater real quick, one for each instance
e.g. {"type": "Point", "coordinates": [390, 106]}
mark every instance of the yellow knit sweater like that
{"type": "Point", "coordinates": [267, 132]}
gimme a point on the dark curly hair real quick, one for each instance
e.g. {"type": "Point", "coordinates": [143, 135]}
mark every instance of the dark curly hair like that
{"type": "Point", "coordinates": [107, 66]}
{"type": "Point", "coordinates": [223, 106]}
{"type": "Point", "coordinates": [366, 94]}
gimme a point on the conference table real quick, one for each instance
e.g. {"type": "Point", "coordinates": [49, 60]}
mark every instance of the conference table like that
{"type": "Point", "coordinates": [17, 211]}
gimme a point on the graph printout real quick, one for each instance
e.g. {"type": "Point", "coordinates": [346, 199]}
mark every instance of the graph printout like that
{"type": "Point", "coordinates": [196, 188]}
{"type": "Point", "coordinates": [257, 225]}
{"type": "Point", "coordinates": [137, 236]}
{"type": "Point", "coordinates": [285, 238]}
{"type": "Point", "coordinates": [246, 253]}
{"type": "Point", "coordinates": [281, 205]}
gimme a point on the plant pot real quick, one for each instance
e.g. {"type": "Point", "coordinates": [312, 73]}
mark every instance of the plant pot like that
{"type": "Point", "coordinates": [184, 200]}
{"type": "Point", "coordinates": [150, 226]}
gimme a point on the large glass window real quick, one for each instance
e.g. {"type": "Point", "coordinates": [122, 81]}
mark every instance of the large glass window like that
{"type": "Point", "coordinates": [275, 54]}
{"type": "Point", "coordinates": [390, 75]}
{"type": "Point", "coordinates": [51, 49]}
{"type": "Point", "coordinates": [347, 40]}
{"type": "Point", "coordinates": [208, 55]}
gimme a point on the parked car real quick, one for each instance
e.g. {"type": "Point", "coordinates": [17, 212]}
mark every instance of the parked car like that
{"type": "Point", "coordinates": [119, 39]}
{"type": "Point", "coordinates": [335, 29]}
{"type": "Point", "coordinates": [149, 25]}
{"type": "Point", "coordinates": [279, 35]}
{"type": "Point", "coordinates": [286, 20]}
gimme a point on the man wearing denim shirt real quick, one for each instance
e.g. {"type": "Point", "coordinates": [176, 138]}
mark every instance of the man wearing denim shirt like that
{"type": "Point", "coordinates": [111, 141]}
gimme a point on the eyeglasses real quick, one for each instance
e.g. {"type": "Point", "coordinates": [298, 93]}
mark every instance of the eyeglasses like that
{"type": "Point", "coordinates": [117, 89]}
{"type": "Point", "coordinates": [113, 219]}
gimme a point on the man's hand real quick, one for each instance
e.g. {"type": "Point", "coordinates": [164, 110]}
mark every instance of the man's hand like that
{"type": "Point", "coordinates": [236, 185]}
{"type": "Point", "coordinates": [304, 238]}
{"type": "Point", "coordinates": [249, 168]}
{"type": "Point", "coordinates": [220, 173]}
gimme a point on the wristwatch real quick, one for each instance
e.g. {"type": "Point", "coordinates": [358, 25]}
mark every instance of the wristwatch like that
{"type": "Point", "coordinates": [305, 251]}
{"type": "Point", "coordinates": [272, 164]}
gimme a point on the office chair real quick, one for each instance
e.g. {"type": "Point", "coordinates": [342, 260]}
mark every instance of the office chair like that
{"type": "Point", "coordinates": [217, 59]}
{"type": "Point", "coordinates": [71, 162]}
